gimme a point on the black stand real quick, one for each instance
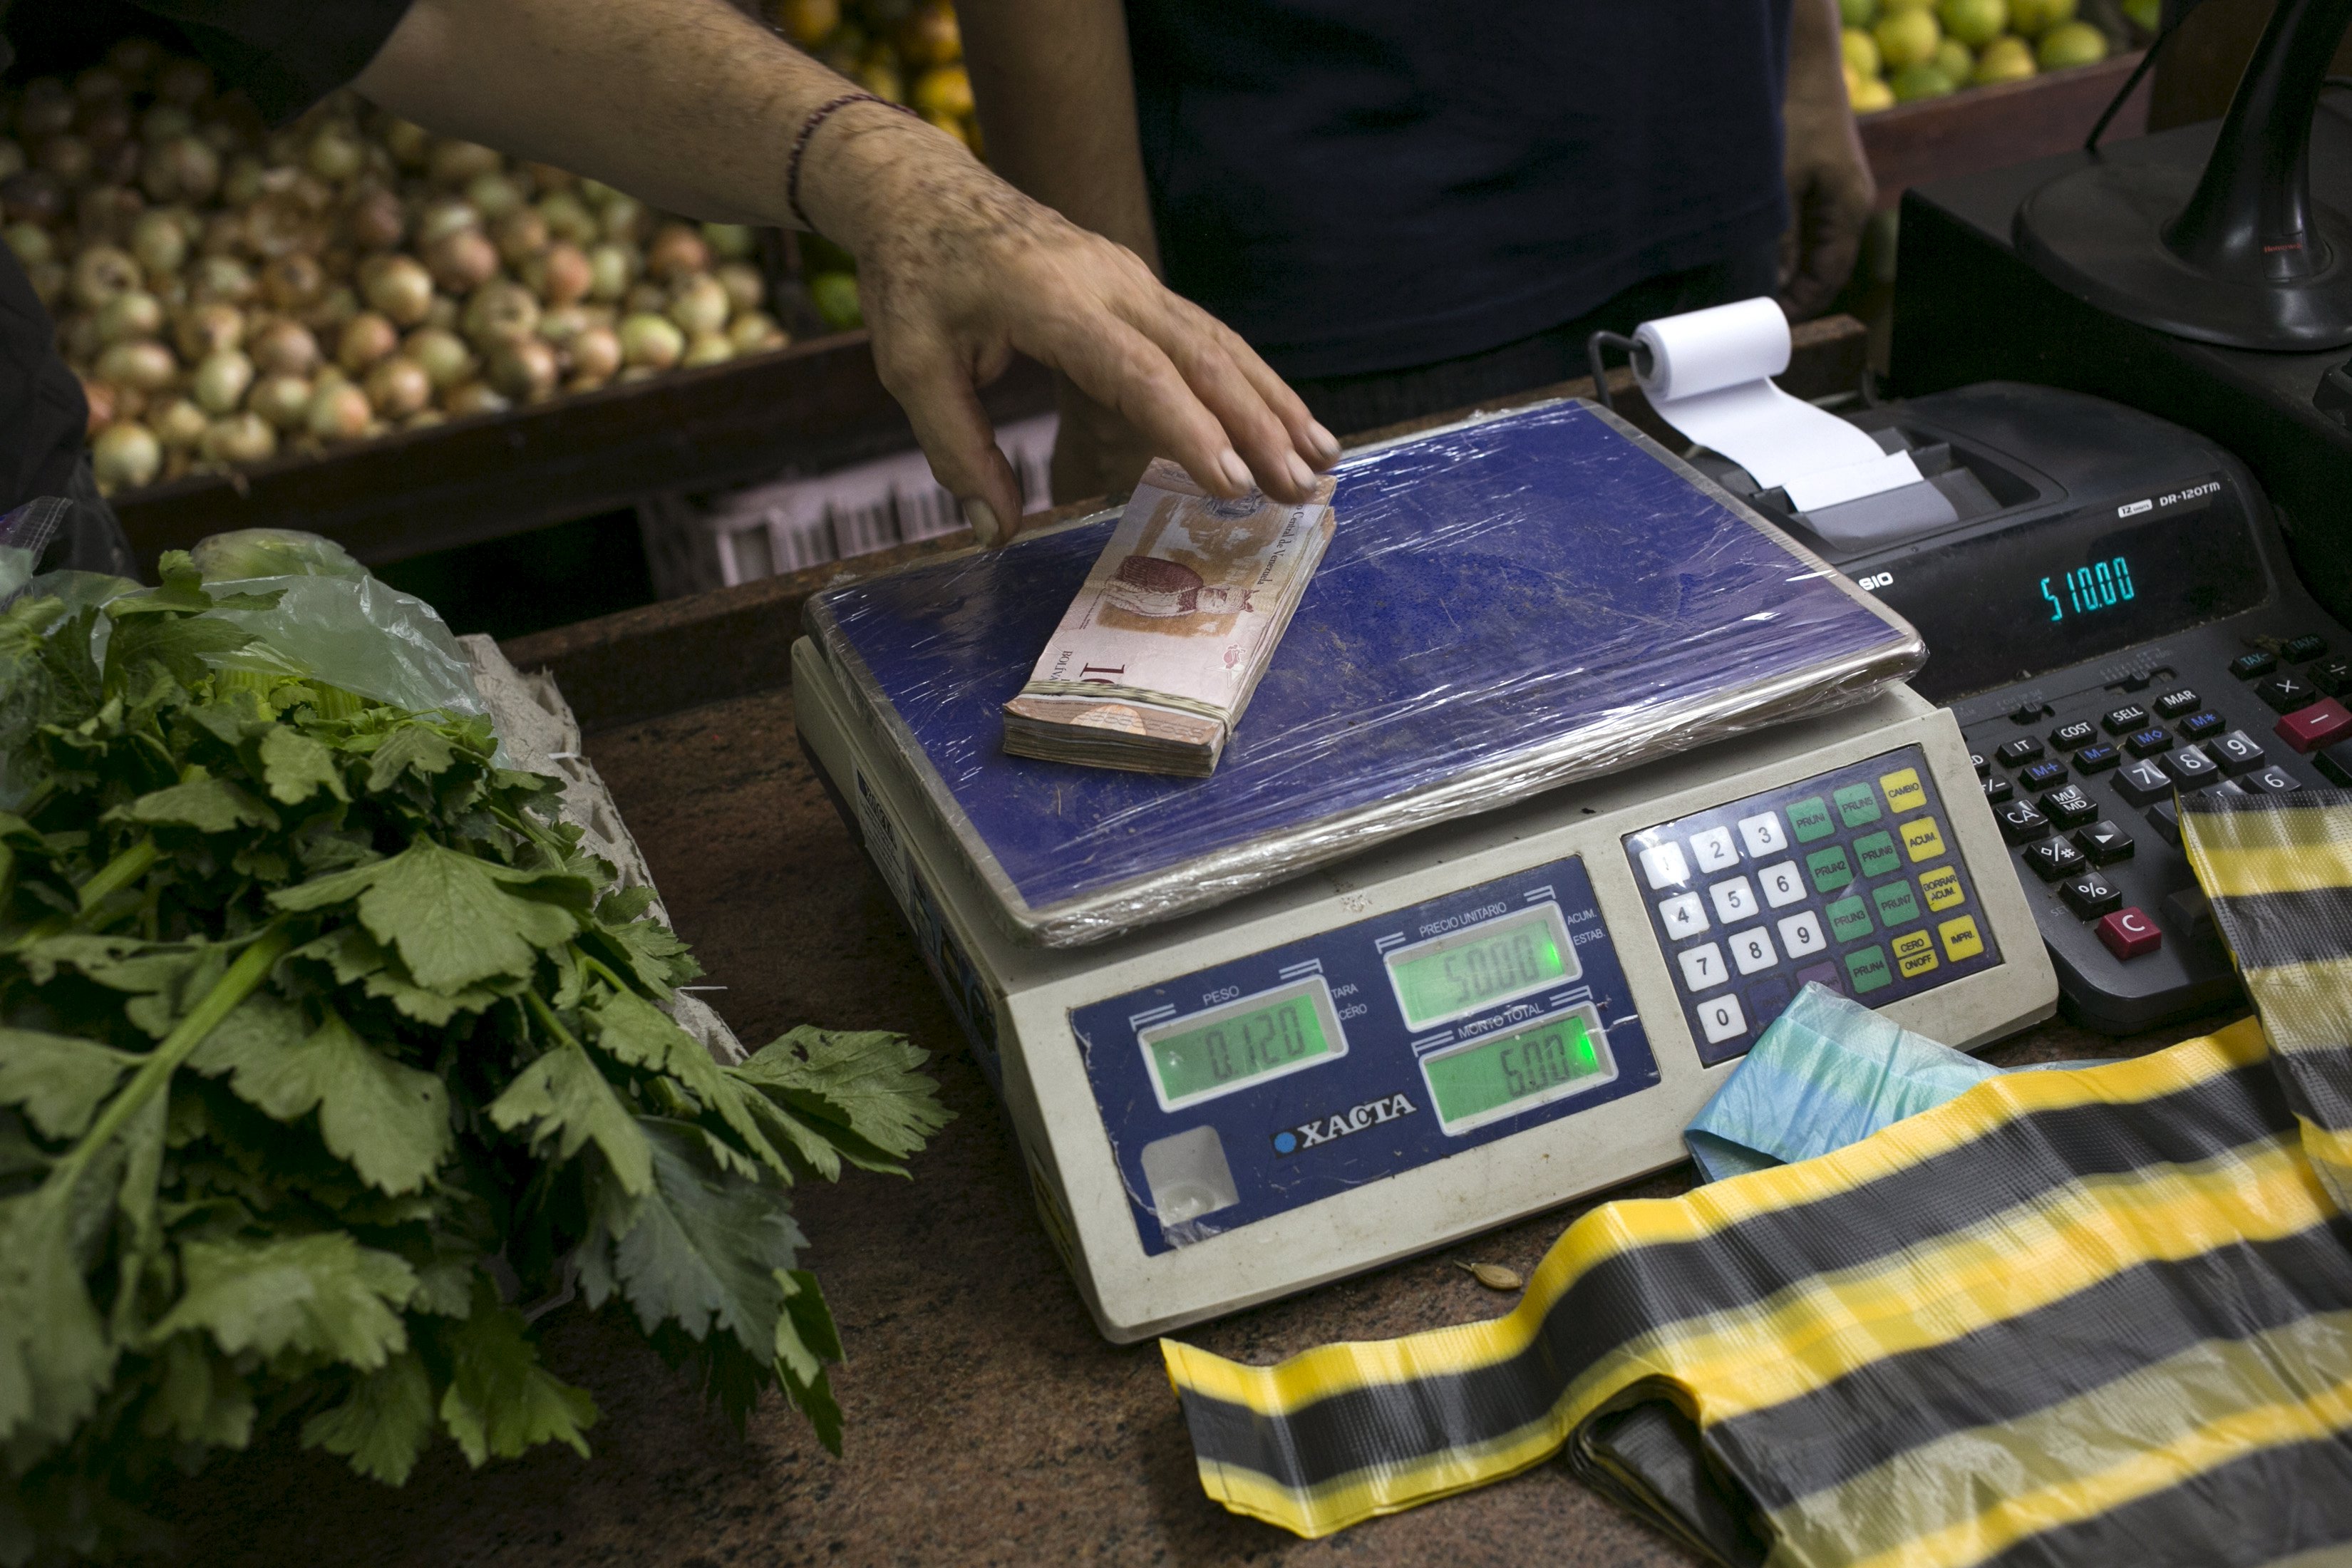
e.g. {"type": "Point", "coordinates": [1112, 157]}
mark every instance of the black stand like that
{"type": "Point", "coordinates": [2239, 254]}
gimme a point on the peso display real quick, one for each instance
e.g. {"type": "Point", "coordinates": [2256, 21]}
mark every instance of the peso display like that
{"type": "Point", "coordinates": [1462, 972]}
{"type": "Point", "coordinates": [1472, 1085]}
{"type": "Point", "coordinates": [1205, 1055]}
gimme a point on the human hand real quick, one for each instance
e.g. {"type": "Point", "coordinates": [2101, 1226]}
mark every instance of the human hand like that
{"type": "Point", "coordinates": [958, 271]}
{"type": "Point", "coordinates": [1830, 191]}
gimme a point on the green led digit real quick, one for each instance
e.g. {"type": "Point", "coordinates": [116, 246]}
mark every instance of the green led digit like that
{"type": "Point", "coordinates": [1465, 972]}
{"type": "Point", "coordinates": [1485, 1081]}
{"type": "Point", "coordinates": [1208, 1053]}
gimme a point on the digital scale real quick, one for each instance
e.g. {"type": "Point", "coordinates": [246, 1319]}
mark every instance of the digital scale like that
{"type": "Point", "coordinates": [1569, 771]}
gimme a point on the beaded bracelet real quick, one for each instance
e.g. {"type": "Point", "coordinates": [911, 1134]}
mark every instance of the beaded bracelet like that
{"type": "Point", "coordinates": [822, 112]}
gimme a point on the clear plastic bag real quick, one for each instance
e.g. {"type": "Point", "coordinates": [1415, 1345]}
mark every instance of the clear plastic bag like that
{"type": "Point", "coordinates": [1508, 605]}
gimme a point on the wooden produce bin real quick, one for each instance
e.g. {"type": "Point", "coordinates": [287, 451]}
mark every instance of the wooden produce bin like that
{"type": "Point", "coordinates": [815, 405]}
{"type": "Point", "coordinates": [1993, 127]}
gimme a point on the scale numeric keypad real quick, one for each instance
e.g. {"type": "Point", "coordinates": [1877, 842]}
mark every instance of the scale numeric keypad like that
{"type": "Point", "coordinates": [1848, 879]}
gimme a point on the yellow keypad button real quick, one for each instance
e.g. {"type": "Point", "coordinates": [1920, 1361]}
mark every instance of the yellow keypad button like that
{"type": "Point", "coordinates": [1904, 790]}
{"type": "Point", "coordinates": [1941, 888]}
{"type": "Point", "coordinates": [1961, 939]}
{"type": "Point", "coordinates": [1915, 953]}
{"type": "Point", "coordinates": [1923, 838]}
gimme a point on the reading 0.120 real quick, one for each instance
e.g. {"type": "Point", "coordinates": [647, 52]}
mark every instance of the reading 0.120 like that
{"type": "Point", "coordinates": [2101, 585]}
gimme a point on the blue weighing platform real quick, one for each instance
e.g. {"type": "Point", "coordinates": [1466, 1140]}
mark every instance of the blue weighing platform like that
{"type": "Point", "coordinates": [1508, 605]}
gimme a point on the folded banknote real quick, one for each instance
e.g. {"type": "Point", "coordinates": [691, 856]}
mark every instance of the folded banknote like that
{"type": "Point", "coordinates": [1156, 657]}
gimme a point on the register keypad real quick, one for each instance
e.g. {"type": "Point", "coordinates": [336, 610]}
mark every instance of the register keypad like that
{"type": "Point", "coordinates": [1849, 878]}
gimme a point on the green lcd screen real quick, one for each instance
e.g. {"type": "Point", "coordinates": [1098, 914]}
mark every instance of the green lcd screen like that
{"type": "Point", "coordinates": [1472, 1085]}
{"type": "Point", "coordinates": [1208, 1053]}
{"type": "Point", "coordinates": [1464, 972]}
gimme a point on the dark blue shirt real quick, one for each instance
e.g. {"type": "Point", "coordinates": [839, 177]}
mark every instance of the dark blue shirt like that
{"type": "Point", "coordinates": [1369, 185]}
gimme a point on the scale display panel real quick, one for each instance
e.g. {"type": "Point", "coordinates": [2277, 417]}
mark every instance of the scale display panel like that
{"type": "Point", "coordinates": [1251, 1088]}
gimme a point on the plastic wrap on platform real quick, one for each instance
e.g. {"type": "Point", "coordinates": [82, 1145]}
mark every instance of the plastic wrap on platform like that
{"type": "Point", "coordinates": [1509, 604]}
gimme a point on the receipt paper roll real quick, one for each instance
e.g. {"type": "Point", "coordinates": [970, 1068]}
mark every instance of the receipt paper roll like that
{"type": "Point", "coordinates": [1709, 375]}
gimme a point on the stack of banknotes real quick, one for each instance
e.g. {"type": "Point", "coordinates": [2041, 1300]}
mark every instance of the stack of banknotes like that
{"type": "Point", "coordinates": [1156, 657]}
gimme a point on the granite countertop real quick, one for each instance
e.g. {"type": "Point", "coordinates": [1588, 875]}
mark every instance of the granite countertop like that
{"type": "Point", "coordinates": [987, 1422]}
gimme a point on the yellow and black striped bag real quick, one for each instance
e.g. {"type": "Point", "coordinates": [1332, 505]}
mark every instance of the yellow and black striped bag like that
{"type": "Point", "coordinates": [2095, 1316]}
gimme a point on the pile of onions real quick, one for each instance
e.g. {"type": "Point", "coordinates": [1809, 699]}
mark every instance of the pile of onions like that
{"type": "Point", "coordinates": [228, 293]}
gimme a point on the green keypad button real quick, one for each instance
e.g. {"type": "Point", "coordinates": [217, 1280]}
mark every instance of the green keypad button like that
{"type": "Point", "coordinates": [1878, 854]}
{"type": "Point", "coordinates": [1857, 804]}
{"type": "Point", "coordinates": [1810, 819]}
{"type": "Point", "coordinates": [1830, 868]}
{"type": "Point", "coordinates": [1895, 904]}
{"type": "Point", "coordinates": [1848, 920]}
{"type": "Point", "coordinates": [1866, 970]}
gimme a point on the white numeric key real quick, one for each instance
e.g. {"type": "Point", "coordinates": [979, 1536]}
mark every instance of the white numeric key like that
{"type": "Point", "coordinates": [1751, 950]}
{"type": "Point", "coordinates": [1683, 917]}
{"type": "Point", "coordinates": [1801, 934]}
{"type": "Point", "coordinates": [1714, 850]}
{"type": "Point", "coordinates": [1701, 967]}
{"type": "Point", "coordinates": [1735, 900]}
{"type": "Point", "coordinates": [1784, 884]}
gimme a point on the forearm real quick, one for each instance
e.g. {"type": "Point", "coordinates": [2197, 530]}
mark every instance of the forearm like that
{"type": "Point", "coordinates": [1816, 85]}
{"type": "Point", "coordinates": [1056, 96]}
{"type": "Point", "coordinates": [686, 103]}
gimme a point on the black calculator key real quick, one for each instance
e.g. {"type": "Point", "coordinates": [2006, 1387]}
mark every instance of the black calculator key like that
{"type": "Point", "coordinates": [2103, 842]}
{"type": "Point", "coordinates": [2021, 824]}
{"type": "Point", "coordinates": [2248, 665]}
{"type": "Point", "coordinates": [2148, 743]}
{"type": "Point", "coordinates": [2236, 751]}
{"type": "Point", "coordinates": [1977, 761]}
{"type": "Point", "coordinates": [2272, 780]}
{"type": "Point", "coordinates": [2227, 786]}
{"type": "Point", "coordinates": [2173, 704]}
{"type": "Point", "coordinates": [2043, 773]}
{"type": "Point", "coordinates": [2090, 896]}
{"type": "Point", "coordinates": [2165, 817]}
{"type": "Point", "coordinates": [2075, 736]}
{"type": "Point", "coordinates": [2130, 716]}
{"type": "Point", "coordinates": [2336, 762]}
{"type": "Point", "coordinates": [2305, 648]}
{"type": "Point", "coordinates": [1998, 790]}
{"type": "Point", "coordinates": [2014, 754]}
{"type": "Point", "coordinates": [2098, 758]}
{"type": "Point", "coordinates": [2143, 782]}
{"type": "Point", "coordinates": [2192, 767]}
{"type": "Point", "coordinates": [2071, 807]}
{"type": "Point", "coordinates": [2053, 859]}
{"type": "Point", "coordinates": [2332, 676]}
{"type": "Point", "coordinates": [2286, 693]}
{"type": "Point", "coordinates": [2198, 725]}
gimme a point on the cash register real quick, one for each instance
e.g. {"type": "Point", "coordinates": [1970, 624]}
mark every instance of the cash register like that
{"type": "Point", "coordinates": [2110, 611]}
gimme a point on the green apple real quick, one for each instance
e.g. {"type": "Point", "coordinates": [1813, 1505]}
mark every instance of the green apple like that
{"type": "Point", "coordinates": [2006, 58]}
{"type": "Point", "coordinates": [1907, 39]}
{"type": "Point", "coordinates": [1975, 22]}
{"type": "Point", "coordinates": [2069, 44]}
{"type": "Point", "coordinates": [1913, 83]}
{"type": "Point", "coordinates": [2034, 17]}
{"type": "Point", "coordinates": [1861, 52]}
